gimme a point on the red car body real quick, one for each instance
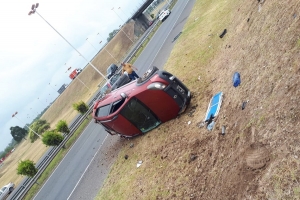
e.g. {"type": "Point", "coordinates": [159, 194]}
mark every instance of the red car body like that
{"type": "Point", "coordinates": [75, 73]}
{"type": "Point", "coordinates": [142, 105]}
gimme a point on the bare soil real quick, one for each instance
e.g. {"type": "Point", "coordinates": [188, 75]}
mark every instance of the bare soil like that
{"type": "Point", "coordinates": [258, 156]}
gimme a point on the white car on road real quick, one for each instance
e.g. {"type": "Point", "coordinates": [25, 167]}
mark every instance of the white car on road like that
{"type": "Point", "coordinates": [164, 14]}
{"type": "Point", "coordinates": [6, 190]}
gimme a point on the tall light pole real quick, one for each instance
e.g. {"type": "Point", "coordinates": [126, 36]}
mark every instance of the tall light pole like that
{"type": "Point", "coordinates": [33, 11]}
{"type": "Point", "coordinates": [122, 11]}
{"type": "Point", "coordinates": [107, 51]}
{"type": "Point", "coordinates": [87, 39]}
{"type": "Point", "coordinates": [123, 23]}
{"type": "Point", "coordinates": [113, 9]}
{"type": "Point", "coordinates": [15, 115]}
{"type": "Point", "coordinates": [125, 33]}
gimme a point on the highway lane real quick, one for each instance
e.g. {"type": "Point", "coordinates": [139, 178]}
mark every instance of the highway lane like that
{"type": "Point", "coordinates": [159, 47]}
{"type": "Point", "coordinates": [81, 173]}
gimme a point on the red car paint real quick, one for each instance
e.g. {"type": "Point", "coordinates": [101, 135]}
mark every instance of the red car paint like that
{"type": "Point", "coordinates": [140, 106]}
{"type": "Point", "coordinates": [75, 73]}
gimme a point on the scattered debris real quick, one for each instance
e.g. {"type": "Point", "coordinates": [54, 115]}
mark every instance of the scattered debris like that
{"type": "Point", "coordinates": [196, 19]}
{"type": "Point", "coordinates": [131, 145]}
{"type": "Point", "coordinates": [236, 79]}
{"type": "Point", "coordinates": [201, 124]}
{"type": "Point", "coordinates": [223, 130]}
{"type": "Point", "coordinates": [244, 105]}
{"type": "Point", "coordinates": [248, 19]}
{"type": "Point", "coordinates": [192, 110]}
{"type": "Point", "coordinates": [199, 78]}
{"type": "Point", "coordinates": [126, 157]}
{"type": "Point", "coordinates": [139, 163]}
{"type": "Point", "coordinates": [294, 15]}
{"type": "Point", "coordinates": [192, 158]}
{"type": "Point", "coordinates": [211, 126]}
{"type": "Point", "coordinates": [189, 122]}
{"type": "Point", "coordinates": [223, 33]}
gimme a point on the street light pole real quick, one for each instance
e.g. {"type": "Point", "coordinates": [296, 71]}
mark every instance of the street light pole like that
{"type": "Point", "coordinates": [108, 51]}
{"type": "Point", "coordinates": [91, 44]}
{"type": "Point", "coordinates": [123, 23]}
{"type": "Point", "coordinates": [15, 115]}
{"type": "Point", "coordinates": [33, 11]}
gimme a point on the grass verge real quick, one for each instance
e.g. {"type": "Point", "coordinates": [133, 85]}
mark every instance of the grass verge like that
{"type": "Point", "coordinates": [48, 171]}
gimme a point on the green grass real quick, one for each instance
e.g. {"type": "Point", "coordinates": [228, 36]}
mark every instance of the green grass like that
{"type": "Point", "coordinates": [48, 171]}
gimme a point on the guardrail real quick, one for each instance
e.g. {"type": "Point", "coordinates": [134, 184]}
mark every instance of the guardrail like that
{"type": "Point", "coordinates": [21, 191]}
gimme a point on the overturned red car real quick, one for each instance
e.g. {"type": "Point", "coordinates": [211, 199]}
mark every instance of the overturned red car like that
{"type": "Point", "coordinates": [140, 106]}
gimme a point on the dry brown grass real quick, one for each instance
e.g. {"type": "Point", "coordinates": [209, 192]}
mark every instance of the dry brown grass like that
{"type": "Point", "coordinates": [76, 91]}
{"type": "Point", "coordinates": [62, 107]}
{"type": "Point", "coordinates": [264, 47]}
{"type": "Point", "coordinates": [25, 150]}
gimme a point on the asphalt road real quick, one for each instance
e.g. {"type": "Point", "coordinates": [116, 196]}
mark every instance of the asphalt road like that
{"type": "Point", "coordinates": [81, 173]}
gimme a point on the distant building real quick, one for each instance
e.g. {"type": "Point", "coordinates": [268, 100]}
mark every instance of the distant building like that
{"type": "Point", "coordinates": [62, 88]}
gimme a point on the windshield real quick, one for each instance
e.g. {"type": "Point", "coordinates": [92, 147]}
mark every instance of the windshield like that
{"type": "Point", "coordinates": [139, 115]}
{"type": "Point", "coordinates": [102, 111]}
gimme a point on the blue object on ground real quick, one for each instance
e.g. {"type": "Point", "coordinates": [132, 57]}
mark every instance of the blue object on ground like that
{"type": "Point", "coordinates": [213, 110]}
{"type": "Point", "coordinates": [236, 79]}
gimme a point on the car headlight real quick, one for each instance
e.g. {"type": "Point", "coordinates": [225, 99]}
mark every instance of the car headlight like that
{"type": "Point", "coordinates": [156, 86]}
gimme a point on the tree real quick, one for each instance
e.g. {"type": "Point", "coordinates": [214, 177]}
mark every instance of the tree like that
{"type": "Point", "coordinates": [18, 133]}
{"type": "Point", "coordinates": [81, 107]}
{"type": "Point", "coordinates": [52, 138]}
{"type": "Point", "coordinates": [62, 127]}
{"type": "Point", "coordinates": [39, 126]}
{"type": "Point", "coordinates": [27, 168]}
{"type": "Point", "coordinates": [112, 34]}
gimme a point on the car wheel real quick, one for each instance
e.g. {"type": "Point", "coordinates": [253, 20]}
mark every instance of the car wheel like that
{"type": "Point", "coordinates": [11, 189]}
{"type": "Point", "coordinates": [146, 76]}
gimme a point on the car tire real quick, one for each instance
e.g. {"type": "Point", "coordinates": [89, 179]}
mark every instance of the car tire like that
{"type": "Point", "coordinates": [147, 75]}
{"type": "Point", "coordinates": [10, 190]}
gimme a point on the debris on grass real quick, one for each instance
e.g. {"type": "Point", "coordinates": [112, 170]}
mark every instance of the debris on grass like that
{"type": "Point", "coordinates": [139, 163]}
{"type": "Point", "coordinates": [223, 130]}
{"type": "Point", "coordinates": [131, 145]}
{"type": "Point", "coordinates": [192, 110]}
{"type": "Point", "coordinates": [236, 79]}
{"type": "Point", "coordinates": [126, 157]}
{"type": "Point", "coordinates": [223, 33]}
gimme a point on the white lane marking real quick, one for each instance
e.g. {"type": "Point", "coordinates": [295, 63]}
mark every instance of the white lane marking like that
{"type": "Point", "coordinates": [87, 167]}
{"type": "Point", "coordinates": [167, 35]}
{"type": "Point", "coordinates": [61, 162]}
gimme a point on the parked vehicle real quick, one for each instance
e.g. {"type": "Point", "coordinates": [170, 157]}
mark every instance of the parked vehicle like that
{"type": "Point", "coordinates": [111, 70]}
{"type": "Point", "coordinates": [107, 87]}
{"type": "Point", "coordinates": [164, 14]}
{"type": "Point", "coordinates": [75, 73]}
{"type": "Point", "coordinates": [143, 104]}
{"type": "Point", "coordinates": [6, 190]}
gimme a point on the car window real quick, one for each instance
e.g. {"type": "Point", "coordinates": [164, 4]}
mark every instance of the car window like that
{"type": "Point", "coordinates": [139, 115]}
{"type": "Point", "coordinates": [108, 70]}
{"type": "Point", "coordinates": [114, 78]}
{"type": "Point", "coordinates": [116, 105]}
{"type": "Point", "coordinates": [104, 89]}
{"type": "Point", "coordinates": [102, 111]}
{"type": "Point", "coordinates": [3, 189]}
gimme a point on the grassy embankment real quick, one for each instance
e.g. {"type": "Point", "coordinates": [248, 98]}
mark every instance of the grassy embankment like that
{"type": "Point", "coordinates": [258, 157]}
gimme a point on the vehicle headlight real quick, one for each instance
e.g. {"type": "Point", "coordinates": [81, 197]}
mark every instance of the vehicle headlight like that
{"type": "Point", "coordinates": [156, 86]}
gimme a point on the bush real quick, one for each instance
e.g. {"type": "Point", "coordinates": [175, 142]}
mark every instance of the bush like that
{"type": "Point", "coordinates": [62, 127]}
{"type": "Point", "coordinates": [27, 168]}
{"type": "Point", "coordinates": [52, 138]}
{"type": "Point", "coordinates": [81, 107]}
